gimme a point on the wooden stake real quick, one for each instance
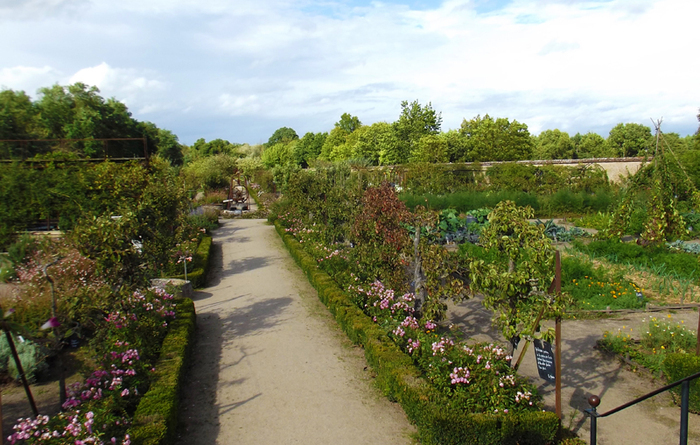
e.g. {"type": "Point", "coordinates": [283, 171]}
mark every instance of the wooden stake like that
{"type": "Point", "coordinates": [557, 339]}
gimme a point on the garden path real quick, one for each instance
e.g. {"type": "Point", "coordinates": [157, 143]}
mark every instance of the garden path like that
{"type": "Point", "coordinates": [270, 364]}
{"type": "Point", "coordinates": [587, 371]}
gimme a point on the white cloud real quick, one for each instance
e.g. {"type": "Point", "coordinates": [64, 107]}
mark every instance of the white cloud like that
{"type": "Point", "coordinates": [127, 85]}
{"type": "Point", "coordinates": [28, 79]}
{"type": "Point", "coordinates": [567, 64]}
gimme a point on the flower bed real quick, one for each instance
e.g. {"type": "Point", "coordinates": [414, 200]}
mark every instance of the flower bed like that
{"type": "Point", "coordinates": [442, 416]}
{"type": "Point", "coordinates": [100, 408]}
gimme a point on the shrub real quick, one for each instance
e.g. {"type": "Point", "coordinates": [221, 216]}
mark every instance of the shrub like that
{"type": "Point", "coordinates": [678, 366]}
{"type": "Point", "coordinates": [155, 420]}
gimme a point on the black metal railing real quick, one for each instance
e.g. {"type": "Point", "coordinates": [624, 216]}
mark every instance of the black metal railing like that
{"type": "Point", "coordinates": [594, 401]}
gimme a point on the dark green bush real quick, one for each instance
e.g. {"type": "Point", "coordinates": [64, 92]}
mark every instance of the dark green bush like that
{"type": "Point", "coordinates": [155, 420]}
{"type": "Point", "coordinates": [679, 366]}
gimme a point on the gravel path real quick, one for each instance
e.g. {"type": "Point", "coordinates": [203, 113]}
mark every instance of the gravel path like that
{"type": "Point", "coordinates": [270, 365]}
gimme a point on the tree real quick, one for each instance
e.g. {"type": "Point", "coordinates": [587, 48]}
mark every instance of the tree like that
{"type": "Point", "coordinates": [283, 135]}
{"type": "Point", "coordinates": [309, 148]}
{"type": "Point", "coordinates": [336, 138]}
{"type": "Point", "coordinates": [373, 142]}
{"type": "Point", "coordinates": [553, 144]}
{"type": "Point", "coordinates": [431, 149]}
{"type": "Point", "coordinates": [496, 140]}
{"type": "Point", "coordinates": [628, 140]}
{"type": "Point", "coordinates": [524, 260]}
{"type": "Point", "coordinates": [348, 123]}
{"type": "Point", "coordinates": [18, 120]}
{"type": "Point", "coordinates": [457, 146]}
{"type": "Point", "coordinates": [414, 122]}
{"type": "Point", "coordinates": [591, 145]}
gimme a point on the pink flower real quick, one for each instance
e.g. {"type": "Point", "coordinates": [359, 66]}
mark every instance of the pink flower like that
{"type": "Point", "coordinates": [51, 323]}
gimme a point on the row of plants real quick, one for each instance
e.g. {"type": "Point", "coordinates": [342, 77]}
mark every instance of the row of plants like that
{"type": "Point", "coordinates": [359, 235]}
{"type": "Point", "coordinates": [437, 418]}
{"type": "Point", "coordinates": [664, 346]}
{"type": "Point", "coordinates": [563, 202]}
{"type": "Point", "coordinates": [93, 285]}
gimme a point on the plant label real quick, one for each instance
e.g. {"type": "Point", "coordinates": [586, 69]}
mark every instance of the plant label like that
{"type": "Point", "coordinates": [545, 360]}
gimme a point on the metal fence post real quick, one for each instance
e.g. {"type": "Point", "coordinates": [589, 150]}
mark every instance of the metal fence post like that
{"type": "Point", "coordinates": [685, 396]}
{"type": "Point", "coordinates": [594, 401]}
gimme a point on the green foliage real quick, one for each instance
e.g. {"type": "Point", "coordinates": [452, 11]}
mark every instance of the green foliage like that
{"type": "Point", "coordinates": [526, 262]}
{"type": "Point", "coordinates": [561, 233]}
{"type": "Point", "coordinates": [655, 259]}
{"type": "Point", "coordinates": [662, 337]}
{"type": "Point", "coordinates": [210, 173]}
{"type": "Point", "coordinates": [595, 288]}
{"type": "Point", "coordinates": [283, 135]}
{"type": "Point", "coordinates": [415, 121]}
{"type": "Point", "coordinates": [348, 123]}
{"type": "Point", "coordinates": [630, 139]}
{"type": "Point", "coordinates": [553, 144]}
{"type": "Point", "coordinates": [32, 356]}
{"type": "Point", "coordinates": [548, 179]}
{"type": "Point", "coordinates": [278, 154]}
{"type": "Point", "coordinates": [495, 140]}
{"type": "Point", "coordinates": [155, 420]}
{"type": "Point", "coordinates": [437, 422]}
{"type": "Point", "coordinates": [431, 149]}
{"type": "Point", "coordinates": [198, 275]}
{"type": "Point", "coordinates": [591, 145]}
{"type": "Point", "coordinates": [679, 366]}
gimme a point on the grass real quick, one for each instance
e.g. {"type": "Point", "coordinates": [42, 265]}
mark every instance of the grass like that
{"type": "Point", "coordinates": [661, 337]}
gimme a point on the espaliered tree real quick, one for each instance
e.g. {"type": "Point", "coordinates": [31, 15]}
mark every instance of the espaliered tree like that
{"type": "Point", "coordinates": [524, 264]}
{"type": "Point", "coordinates": [379, 237]}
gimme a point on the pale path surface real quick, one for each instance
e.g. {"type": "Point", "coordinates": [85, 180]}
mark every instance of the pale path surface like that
{"type": "Point", "coordinates": [270, 364]}
{"type": "Point", "coordinates": [587, 371]}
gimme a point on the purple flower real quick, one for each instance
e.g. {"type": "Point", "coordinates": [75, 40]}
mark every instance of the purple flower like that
{"type": "Point", "coordinates": [51, 323]}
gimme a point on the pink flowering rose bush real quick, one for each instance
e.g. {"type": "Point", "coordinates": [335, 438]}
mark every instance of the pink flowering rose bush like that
{"type": "Point", "coordinates": [98, 409]}
{"type": "Point", "coordinates": [476, 378]}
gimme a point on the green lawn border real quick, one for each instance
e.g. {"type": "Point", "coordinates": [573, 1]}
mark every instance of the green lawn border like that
{"type": "Point", "coordinates": [401, 381]}
{"type": "Point", "coordinates": [155, 420]}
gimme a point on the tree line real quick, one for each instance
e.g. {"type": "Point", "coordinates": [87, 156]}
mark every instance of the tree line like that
{"type": "Point", "coordinates": [417, 137]}
{"type": "Point", "coordinates": [64, 113]}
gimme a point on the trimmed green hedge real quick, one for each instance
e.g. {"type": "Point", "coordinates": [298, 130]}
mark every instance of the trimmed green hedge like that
{"type": "Point", "coordinates": [198, 276]}
{"type": "Point", "coordinates": [680, 366]}
{"type": "Point", "coordinates": [155, 420]}
{"type": "Point", "coordinates": [400, 380]}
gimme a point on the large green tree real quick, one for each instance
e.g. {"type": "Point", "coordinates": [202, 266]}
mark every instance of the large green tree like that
{"type": "Point", "coordinates": [348, 123]}
{"type": "Point", "coordinates": [591, 145]}
{"type": "Point", "coordinates": [490, 139]}
{"type": "Point", "coordinates": [283, 135]}
{"type": "Point", "coordinates": [628, 140]}
{"type": "Point", "coordinates": [414, 122]}
{"type": "Point", "coordinates": [553, 144]}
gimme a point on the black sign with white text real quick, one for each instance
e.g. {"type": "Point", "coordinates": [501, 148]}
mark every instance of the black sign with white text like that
{"type": "Point", "coordinates": [545, 360]}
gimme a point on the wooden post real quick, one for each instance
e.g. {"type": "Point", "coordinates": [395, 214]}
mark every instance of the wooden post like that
{"type": "Point", "coordinates": [697, 350]}
{"type": "Point", "coordinates": [18, 363]}
{"type": "Point", "coordinates": [557, 338]}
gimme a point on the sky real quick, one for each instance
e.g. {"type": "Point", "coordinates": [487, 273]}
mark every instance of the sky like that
{"type": "Point", "coordinates": [238, 70]}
